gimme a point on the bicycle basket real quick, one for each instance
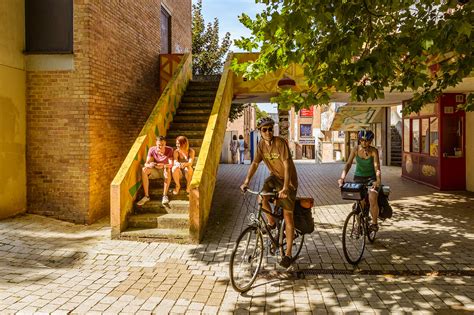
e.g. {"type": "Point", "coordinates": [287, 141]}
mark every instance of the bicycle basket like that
{"type": "Point", "coordinates": [353, 191]}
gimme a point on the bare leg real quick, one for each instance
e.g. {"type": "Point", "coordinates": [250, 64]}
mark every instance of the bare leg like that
{"type": "Point", "coordinates": [266, 206]}
{"type": "Point", "coordinates": [167, 173]}
{"type": "Point", "coordinates": [177, 177]}
{"type": "Point", "coordinates": [374, 206]}
{"type": "Point", "coordinates": [289, 230]}
{"type": "Point", "coordinates": [189, 175]}
{"type": "Point", "coordinates": [146, 182]}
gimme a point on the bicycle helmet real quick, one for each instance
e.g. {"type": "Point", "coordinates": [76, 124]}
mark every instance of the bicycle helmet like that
{"type": "Point", "coordinates": [264, 121]}
{"type": "Point", "coordinates": [366, 135]}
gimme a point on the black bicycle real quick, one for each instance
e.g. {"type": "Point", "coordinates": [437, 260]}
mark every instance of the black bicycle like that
{"type": "Point", "coordinates": [357, 224]}
{"type": "Point", "coordinates": [247, 255]}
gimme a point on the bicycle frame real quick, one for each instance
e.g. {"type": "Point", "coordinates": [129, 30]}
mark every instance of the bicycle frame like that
{"type": "Point", "coordinates": [277, 242]}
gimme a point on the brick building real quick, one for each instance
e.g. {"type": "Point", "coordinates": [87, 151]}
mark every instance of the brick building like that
{"type": "Point", "coordinates": [91, 80]}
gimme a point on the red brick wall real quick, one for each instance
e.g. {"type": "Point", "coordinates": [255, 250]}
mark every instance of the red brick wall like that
{"type": "Point", "coordinates": [82, 123]}
{"type": "Point", "coordinates": [57, 140]}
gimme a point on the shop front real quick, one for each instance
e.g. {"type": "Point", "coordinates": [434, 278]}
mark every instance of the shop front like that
{"type": "Point", "coordinates": [434, 144]}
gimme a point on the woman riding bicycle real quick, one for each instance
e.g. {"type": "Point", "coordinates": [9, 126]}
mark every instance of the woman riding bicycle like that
{"type": "Point", "coordinates": [367, 171]}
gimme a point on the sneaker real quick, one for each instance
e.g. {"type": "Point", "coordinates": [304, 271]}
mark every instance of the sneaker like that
{"type": "Point", "coordinates": [143, 201]}
{"type": "Point", "coordinates": [374, 227]}
{"type": "Point", "coordinates": [165, 200]}
{"type": "Point", "coordinates": [285, 262]}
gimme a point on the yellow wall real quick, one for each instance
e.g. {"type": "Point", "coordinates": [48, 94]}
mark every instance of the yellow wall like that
{"type": "Point", "coordinates": [12, 109]}
{"type": "Point", "coordinates": [470, 151]}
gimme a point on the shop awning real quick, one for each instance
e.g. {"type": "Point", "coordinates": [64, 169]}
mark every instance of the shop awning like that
{"type": "Point", "coordinates": [352, 118]}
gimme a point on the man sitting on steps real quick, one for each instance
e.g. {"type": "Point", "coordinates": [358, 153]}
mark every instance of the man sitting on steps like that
{"type": "Point", "coordinates": [158, 165]}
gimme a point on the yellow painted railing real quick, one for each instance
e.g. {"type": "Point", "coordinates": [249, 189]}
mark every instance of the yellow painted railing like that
{"type": "Point", "coordinates": [204, 178]}
{"type": "Point", "coordinates": [127, 181]}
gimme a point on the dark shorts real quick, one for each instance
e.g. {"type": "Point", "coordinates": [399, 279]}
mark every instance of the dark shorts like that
{"type": "Point", "coordinates": [368, 180]}
{"type": "Point", "coordinates": [274, 183]}
{"type": "Point", "coordinates": [364, 179]}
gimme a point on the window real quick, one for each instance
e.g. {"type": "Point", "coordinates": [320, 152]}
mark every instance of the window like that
{"type": "Point", "coordinates": [165, 32]}
{"type": "Point", "coordinates": [425, 135]}
{"type": "Point", "coordinates": [49, 26]}
{"type": "Point", "coordinates": [305, 130]}
{"type": "Point", "coordinates": [434, 136]}
{"type": "Point", "coordinates": [406, 135]}
{"type": "Point", "coordinates": [415, 129]}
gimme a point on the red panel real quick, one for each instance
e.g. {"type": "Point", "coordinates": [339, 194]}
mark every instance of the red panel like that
{"type": "Point", "coordinates": [306, 112]}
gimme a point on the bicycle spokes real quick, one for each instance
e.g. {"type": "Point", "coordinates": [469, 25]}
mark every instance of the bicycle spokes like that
{"type": "Point", "coordinates": [246, 259]}
{"type": "Point", "coordinates": [353, 238]}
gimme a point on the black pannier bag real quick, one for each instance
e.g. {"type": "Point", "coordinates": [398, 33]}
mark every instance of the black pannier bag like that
{"type": "Point", "coordinates": [302, 215]}
{"type": "Point", "coordinates": [353, 191]}
{"type": "Point", "coordinates": [385, 210]}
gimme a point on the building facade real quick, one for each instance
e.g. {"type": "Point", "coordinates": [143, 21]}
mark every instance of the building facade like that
{"type": "Point", "coordinates": [245, 126]}
{"type": "Point", "coordinates": [90, 80]}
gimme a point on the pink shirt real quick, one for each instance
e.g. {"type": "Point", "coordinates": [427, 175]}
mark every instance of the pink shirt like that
{"type": "Point", "coordinates": [160, 158]}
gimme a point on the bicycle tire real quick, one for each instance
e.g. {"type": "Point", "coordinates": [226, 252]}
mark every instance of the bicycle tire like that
{"type": "Point", "coordinates": [353, 238]}
{"type": "Point", "coordinates": [245, 239]}
{"type": "Point", "coordinates": [298, 242]}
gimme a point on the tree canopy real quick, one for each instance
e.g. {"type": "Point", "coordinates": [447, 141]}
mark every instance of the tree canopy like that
{"type": "Point", "coordinates": [362, 47]}
{"type": "Point", "coordinates": [207, 53]}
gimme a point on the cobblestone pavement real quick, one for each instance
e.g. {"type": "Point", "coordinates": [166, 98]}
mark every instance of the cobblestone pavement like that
{"type": "Point", "coordinates": [422, 260]}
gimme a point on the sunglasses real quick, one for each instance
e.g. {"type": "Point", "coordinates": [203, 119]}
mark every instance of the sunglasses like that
{"type": "Point", "coordinates": [269, 129]}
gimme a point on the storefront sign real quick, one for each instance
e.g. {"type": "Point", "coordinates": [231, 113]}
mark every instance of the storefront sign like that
{"type": "Point", "coordinates": [306, 112]}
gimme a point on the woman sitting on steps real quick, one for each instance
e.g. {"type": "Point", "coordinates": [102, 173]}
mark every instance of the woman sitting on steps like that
{"type": "Point", "coordinates": [183, 163]}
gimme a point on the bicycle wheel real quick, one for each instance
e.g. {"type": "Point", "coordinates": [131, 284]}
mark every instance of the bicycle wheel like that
{"type": "Point", "coordinates": [353, 238]}
{"type": "Point", "coordinates": [246, 259]}
{"type": "Point", "coordinates": [298, 241]}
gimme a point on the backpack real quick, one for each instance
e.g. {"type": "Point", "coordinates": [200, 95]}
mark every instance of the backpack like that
{"type": "Point", "coordinates": [302, 215]}
{"type": "Point", "coordinates": [385, 210]}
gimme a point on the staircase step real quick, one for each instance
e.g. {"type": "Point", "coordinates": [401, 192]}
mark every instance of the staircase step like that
{"type": "Point", "coordinates": [193, 112]}
{"type": "Point", "coordinates": [155, 206]}
{"type": "Point", "coordinates": [214, 78]}
{"type": "Point", "coordinates": [173, 220]}
{"type": "Point", "coordinates": [200, 93]}
{"type": "Point", "coordinates": [191, 118]}
{"type": "Point", "coordinates": [190, 134]}
{"type": "Point", "coordinates": [183, 127]}
{"type": "Point", "coordinates": [202, 86]}
{"type": "Point", "coordinates": [157, 235]}
{"type": "Point", "coordinates": [144, 220]}
{"type": "Point", "coordinates": [195, 105]}
{"type": "Point", "coordinates": [193, 142]}
{"type": "Point", "coordinates": [198, 99]}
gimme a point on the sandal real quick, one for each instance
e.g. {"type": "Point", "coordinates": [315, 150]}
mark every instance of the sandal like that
{"type": "Point", "coordinates": [176, 191]}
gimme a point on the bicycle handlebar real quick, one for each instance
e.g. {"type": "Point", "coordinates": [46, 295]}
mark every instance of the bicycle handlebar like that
{"type": "Point", "coordinates": [261, 193]}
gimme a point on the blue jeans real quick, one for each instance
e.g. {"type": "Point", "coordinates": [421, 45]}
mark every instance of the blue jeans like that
{"type": "Point", "coordinates": [242, 157]}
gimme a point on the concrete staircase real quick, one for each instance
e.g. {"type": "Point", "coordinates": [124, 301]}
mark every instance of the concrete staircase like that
{"type": "Point", "coordinates": [396, 147]}
{"type": "Point", "coordinates": [154, 221]}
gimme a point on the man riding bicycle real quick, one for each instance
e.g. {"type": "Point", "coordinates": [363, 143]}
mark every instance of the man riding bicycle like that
{"type": "Point", "coordinates": [367, 171]}
{"type": "Point", "coordinates": [275, 153]}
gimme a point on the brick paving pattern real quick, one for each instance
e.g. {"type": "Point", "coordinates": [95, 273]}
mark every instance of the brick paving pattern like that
{"type": "Point", "coordinates": [422, 260]}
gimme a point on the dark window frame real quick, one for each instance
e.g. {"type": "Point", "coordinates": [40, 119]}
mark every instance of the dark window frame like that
{"type": "Point", "coordinates": [165, 12]}
{"type": "Point", "coordinates": [304, 126]}
{"type": "Point", "coordinates": [49, 26]}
